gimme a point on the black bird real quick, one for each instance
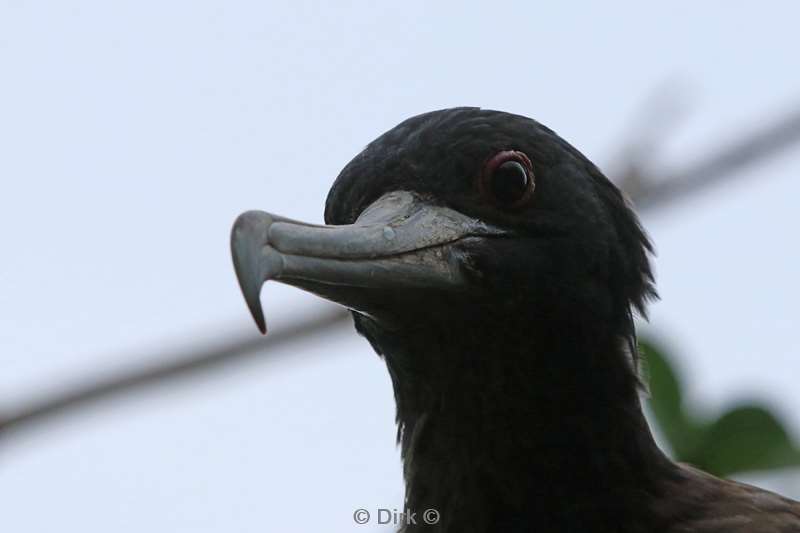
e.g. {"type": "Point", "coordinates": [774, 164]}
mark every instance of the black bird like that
{"type": "Point", "coordinates": [497, 271]}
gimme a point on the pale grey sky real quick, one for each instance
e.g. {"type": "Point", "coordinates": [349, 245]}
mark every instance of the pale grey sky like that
{"type": "Point", "coordinates": [133, 133]}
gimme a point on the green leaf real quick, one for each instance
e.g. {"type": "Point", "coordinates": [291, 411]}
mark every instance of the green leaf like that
{"type": "Point", "coordinates": [745, 438]}
{"type": "Point", "coordinates": [666, 403]}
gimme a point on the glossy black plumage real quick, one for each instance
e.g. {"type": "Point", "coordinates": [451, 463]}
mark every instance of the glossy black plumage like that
{"type": "Point", "coordinates": [518, 401]}
{"type": "Point", "coordinates": [507, 328]}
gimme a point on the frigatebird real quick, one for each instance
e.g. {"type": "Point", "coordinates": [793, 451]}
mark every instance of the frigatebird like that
{"type": "Point", "coordinates": [498, 271]}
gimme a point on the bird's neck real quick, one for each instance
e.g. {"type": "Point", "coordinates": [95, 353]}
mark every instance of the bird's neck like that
{"type": "Point", "coordinates": [505, 428]}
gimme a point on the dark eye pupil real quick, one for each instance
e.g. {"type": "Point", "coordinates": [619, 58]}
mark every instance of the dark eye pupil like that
{"type": "Point", "coordinates": [509, 182]}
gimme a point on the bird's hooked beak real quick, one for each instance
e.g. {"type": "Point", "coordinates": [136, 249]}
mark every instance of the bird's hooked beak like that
{"type": "Point", "coordinates": [399, 242]}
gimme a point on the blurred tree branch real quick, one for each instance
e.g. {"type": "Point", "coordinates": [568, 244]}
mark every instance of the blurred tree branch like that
{"type": "Point", "coordinates": [181, 364]}
{"type": "Point", "coordinates": [647, 192]}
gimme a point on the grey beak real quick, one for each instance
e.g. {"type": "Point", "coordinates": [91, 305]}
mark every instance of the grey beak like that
{"type": "Point", "coordinates": [399, 241]}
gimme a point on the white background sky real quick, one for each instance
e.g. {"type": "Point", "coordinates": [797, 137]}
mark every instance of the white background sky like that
{"type": "Point", "coordinates": [132, 134]}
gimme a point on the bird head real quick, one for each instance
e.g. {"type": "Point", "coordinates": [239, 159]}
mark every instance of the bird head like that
{"type": "Point", "coordinates": [465, 216]}
{"type": "Point", "coordinates": [496, 270]}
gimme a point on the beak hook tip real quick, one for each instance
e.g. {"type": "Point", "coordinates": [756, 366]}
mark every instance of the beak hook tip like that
{"type": "Point", "coordinates": [246, 251]}
{"type": "Point", "coordinates": [258, 316]}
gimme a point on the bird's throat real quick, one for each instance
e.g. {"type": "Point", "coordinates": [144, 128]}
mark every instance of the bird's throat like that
{"type": "Point", "coordinates": [502, 431]}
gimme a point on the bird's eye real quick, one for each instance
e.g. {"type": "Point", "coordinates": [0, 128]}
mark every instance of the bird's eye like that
{"type": "Point", "coordinates": [507, 179]}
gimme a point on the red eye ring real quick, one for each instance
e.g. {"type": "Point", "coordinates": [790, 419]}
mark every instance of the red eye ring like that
{"type": "Point", "coordinates": [507, 179]}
